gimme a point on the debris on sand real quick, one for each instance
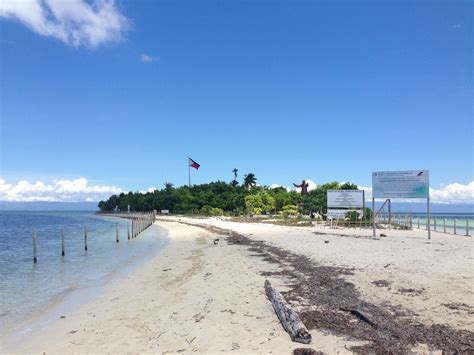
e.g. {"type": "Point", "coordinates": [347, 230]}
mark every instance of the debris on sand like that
{"type": "Point", "coordinates": [324, 291]}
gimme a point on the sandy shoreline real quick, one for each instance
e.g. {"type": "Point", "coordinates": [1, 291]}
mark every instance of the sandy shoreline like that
{"type": "Point", "coordinates": [198, 296]}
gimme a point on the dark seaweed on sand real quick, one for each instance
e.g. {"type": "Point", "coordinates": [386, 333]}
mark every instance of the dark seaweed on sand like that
{"type": "Point", "coordinates": [328, 302]}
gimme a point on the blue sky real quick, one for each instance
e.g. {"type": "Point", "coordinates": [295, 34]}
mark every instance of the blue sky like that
{"type": "Point", "coordinates": [326, 90]}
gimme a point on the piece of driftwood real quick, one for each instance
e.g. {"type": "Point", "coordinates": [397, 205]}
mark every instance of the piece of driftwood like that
{"type": "Point", "coordinates": [359, 315]}
{"type": "Point", "coordinates": [306, 351]}
{"type": "Point", "coordinates": [288, 317]}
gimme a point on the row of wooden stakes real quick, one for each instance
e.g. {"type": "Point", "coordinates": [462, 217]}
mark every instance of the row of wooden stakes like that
{"type": "Point", "coordinates": [139, 224]}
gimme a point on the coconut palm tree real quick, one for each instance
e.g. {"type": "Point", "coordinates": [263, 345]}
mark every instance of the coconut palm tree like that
{"type": "Point", "coordinates": [234, 182]}
{"type": "Point", "coordinates": [250, 180]}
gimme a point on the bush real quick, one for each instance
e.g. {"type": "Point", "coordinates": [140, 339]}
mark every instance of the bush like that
{"type": "Point", "coordinates": [215, 211]}
{"type": "Point", "coordinates": [289, 210]}
{"type": "Point", "coordinates": [259, 202]}
{"type": "Point", "coordinates": [352, 216]}
{"type": "Point", "coordinates": [211, 211]}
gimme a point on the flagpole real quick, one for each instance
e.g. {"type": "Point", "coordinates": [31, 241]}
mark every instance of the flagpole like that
{"type": "Point", "coordinates": [189, 174]}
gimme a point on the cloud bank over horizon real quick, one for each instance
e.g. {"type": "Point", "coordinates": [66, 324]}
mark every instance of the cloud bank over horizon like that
{"type": "Point", "coordinates": [74, 22]}
{"type": "Point", "coordinates": [79, 190]}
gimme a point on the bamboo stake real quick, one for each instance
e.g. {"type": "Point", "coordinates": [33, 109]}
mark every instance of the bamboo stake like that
{"type": "Point", "coordinates": [35, 260]}
{"type": "Point", "coordinates": [85, 238]}
{"type": "Point", "coordinates": [116, 232]}
{"type": "Point", "coordinates": [62, 242]}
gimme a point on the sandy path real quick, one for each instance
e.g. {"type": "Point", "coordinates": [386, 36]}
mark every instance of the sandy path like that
{"type": "Point", "coordinates": [210, 300]}
{"type": "Point", "coordinates": [432, 279]}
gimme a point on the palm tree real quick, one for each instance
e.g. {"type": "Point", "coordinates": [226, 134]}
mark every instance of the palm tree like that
{"type": "Point", "coordinates": [168, 185]}
{"type": "Point", "coordinates": [250, 180]}
{"type": "Point", "coordinates": [234, 182]}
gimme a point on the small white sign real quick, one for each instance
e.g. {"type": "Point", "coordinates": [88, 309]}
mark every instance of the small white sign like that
{"type": "Point", "coordinates": [345, 198]}
{"type": "Point", "coordinates": [340, 214]}
{"type": "Point", "coordinates": [165, 211]}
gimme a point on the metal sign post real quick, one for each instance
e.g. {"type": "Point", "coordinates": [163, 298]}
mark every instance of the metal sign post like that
{"type": "Point", "coordinates": [428, 214]}
{"type": "Point", "coordinates": [373, 216]}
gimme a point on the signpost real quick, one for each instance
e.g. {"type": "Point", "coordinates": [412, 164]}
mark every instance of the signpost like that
{"type": "Point", "coordinates": [342, 201]}
{"type": "Point", "coordinates": [340, 213]}
{"type": "Point", "coordinates": [345, 198]}
{"type": "Point", "coordinates": [401, 184]}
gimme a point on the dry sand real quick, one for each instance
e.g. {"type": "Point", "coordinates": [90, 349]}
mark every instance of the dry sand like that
{"type": "Point", "coordinates": [197, 296]}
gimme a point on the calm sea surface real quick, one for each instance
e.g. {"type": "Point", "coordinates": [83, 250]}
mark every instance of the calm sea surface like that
{"type": "Point", "coordinates": [29, 289]}
{"type": "Point", "coordinates": [461, 223]}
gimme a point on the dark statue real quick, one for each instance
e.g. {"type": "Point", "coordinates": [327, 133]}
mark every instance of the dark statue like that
{"type": "Point", "coordinates": [304, 187]}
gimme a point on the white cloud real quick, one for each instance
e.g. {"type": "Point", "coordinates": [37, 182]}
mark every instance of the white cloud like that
{"type": "Point", "coordinates": [147, 58]}
{"type": "Point", "coordinates": [59, 190]}
{"type": "Point", "coordinates": [451, 193]}
{"type": "Point", "coordinates": [149, 190]}
{"type": "Point", "coordinates": [74, 22]}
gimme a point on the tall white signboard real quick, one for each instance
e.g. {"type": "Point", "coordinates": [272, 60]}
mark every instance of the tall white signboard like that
{"type": "Point", "coordinates": [401, 184]}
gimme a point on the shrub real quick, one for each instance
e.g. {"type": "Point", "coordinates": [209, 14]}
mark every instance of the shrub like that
{"type": "Point", "coordinates": [259, 202]}
{"type": "Point", "coordinates": [289, 210]}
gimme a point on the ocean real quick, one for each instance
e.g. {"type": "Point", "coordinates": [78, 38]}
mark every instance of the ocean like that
{"type": "Point", "coordinates": [456, 223]}
{"type": "Point", "coordinates": [29, 291]}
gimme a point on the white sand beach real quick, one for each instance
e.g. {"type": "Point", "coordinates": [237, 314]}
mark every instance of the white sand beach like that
{"type": "Point", "coordinates": [206, 296]}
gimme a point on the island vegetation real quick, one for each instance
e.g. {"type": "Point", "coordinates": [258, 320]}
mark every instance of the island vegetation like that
{"type": "Point", "coordinates": [222, 198]}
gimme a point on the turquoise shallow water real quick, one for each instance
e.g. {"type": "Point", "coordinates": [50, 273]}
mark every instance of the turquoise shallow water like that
{"type": "Point", "coordinates": [456, 223]}
{"type": "Point", "coordinates": [28, 289]}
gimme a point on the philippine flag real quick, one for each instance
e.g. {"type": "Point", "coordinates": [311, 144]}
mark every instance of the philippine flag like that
{"type": "Point", "coordinates": [193, 164]}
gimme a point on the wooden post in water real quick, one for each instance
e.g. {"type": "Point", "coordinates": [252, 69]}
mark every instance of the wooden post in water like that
{"type": "Point", "coordinates": [455, 226]}
{"type": "Point", "coordinates": [62, 242]}
{"type": "Point", "coordinates": [418, 219]}
{"type": "Point", "coordinates": [434, 224]}
{"type": "Point", "coordinates": [116, 232]}
{"type": "Point", "coordinates": [85, 238]}
{"type": "Point", "coordinates": [128, 230]}
{"type": "Point", "coordinates": [35, 260]}
{"type": "Point", "coordinates": [444, 225]}
{"type": "Point", "coordinates": [467, 227]}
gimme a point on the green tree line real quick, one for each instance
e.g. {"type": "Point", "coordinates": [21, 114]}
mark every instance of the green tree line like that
{"type": "Point", "coordinates": [220, 197]}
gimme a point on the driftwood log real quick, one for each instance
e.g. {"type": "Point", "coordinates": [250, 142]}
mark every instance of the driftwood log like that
{"type": "Point", "coordinates": [288, 317]}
